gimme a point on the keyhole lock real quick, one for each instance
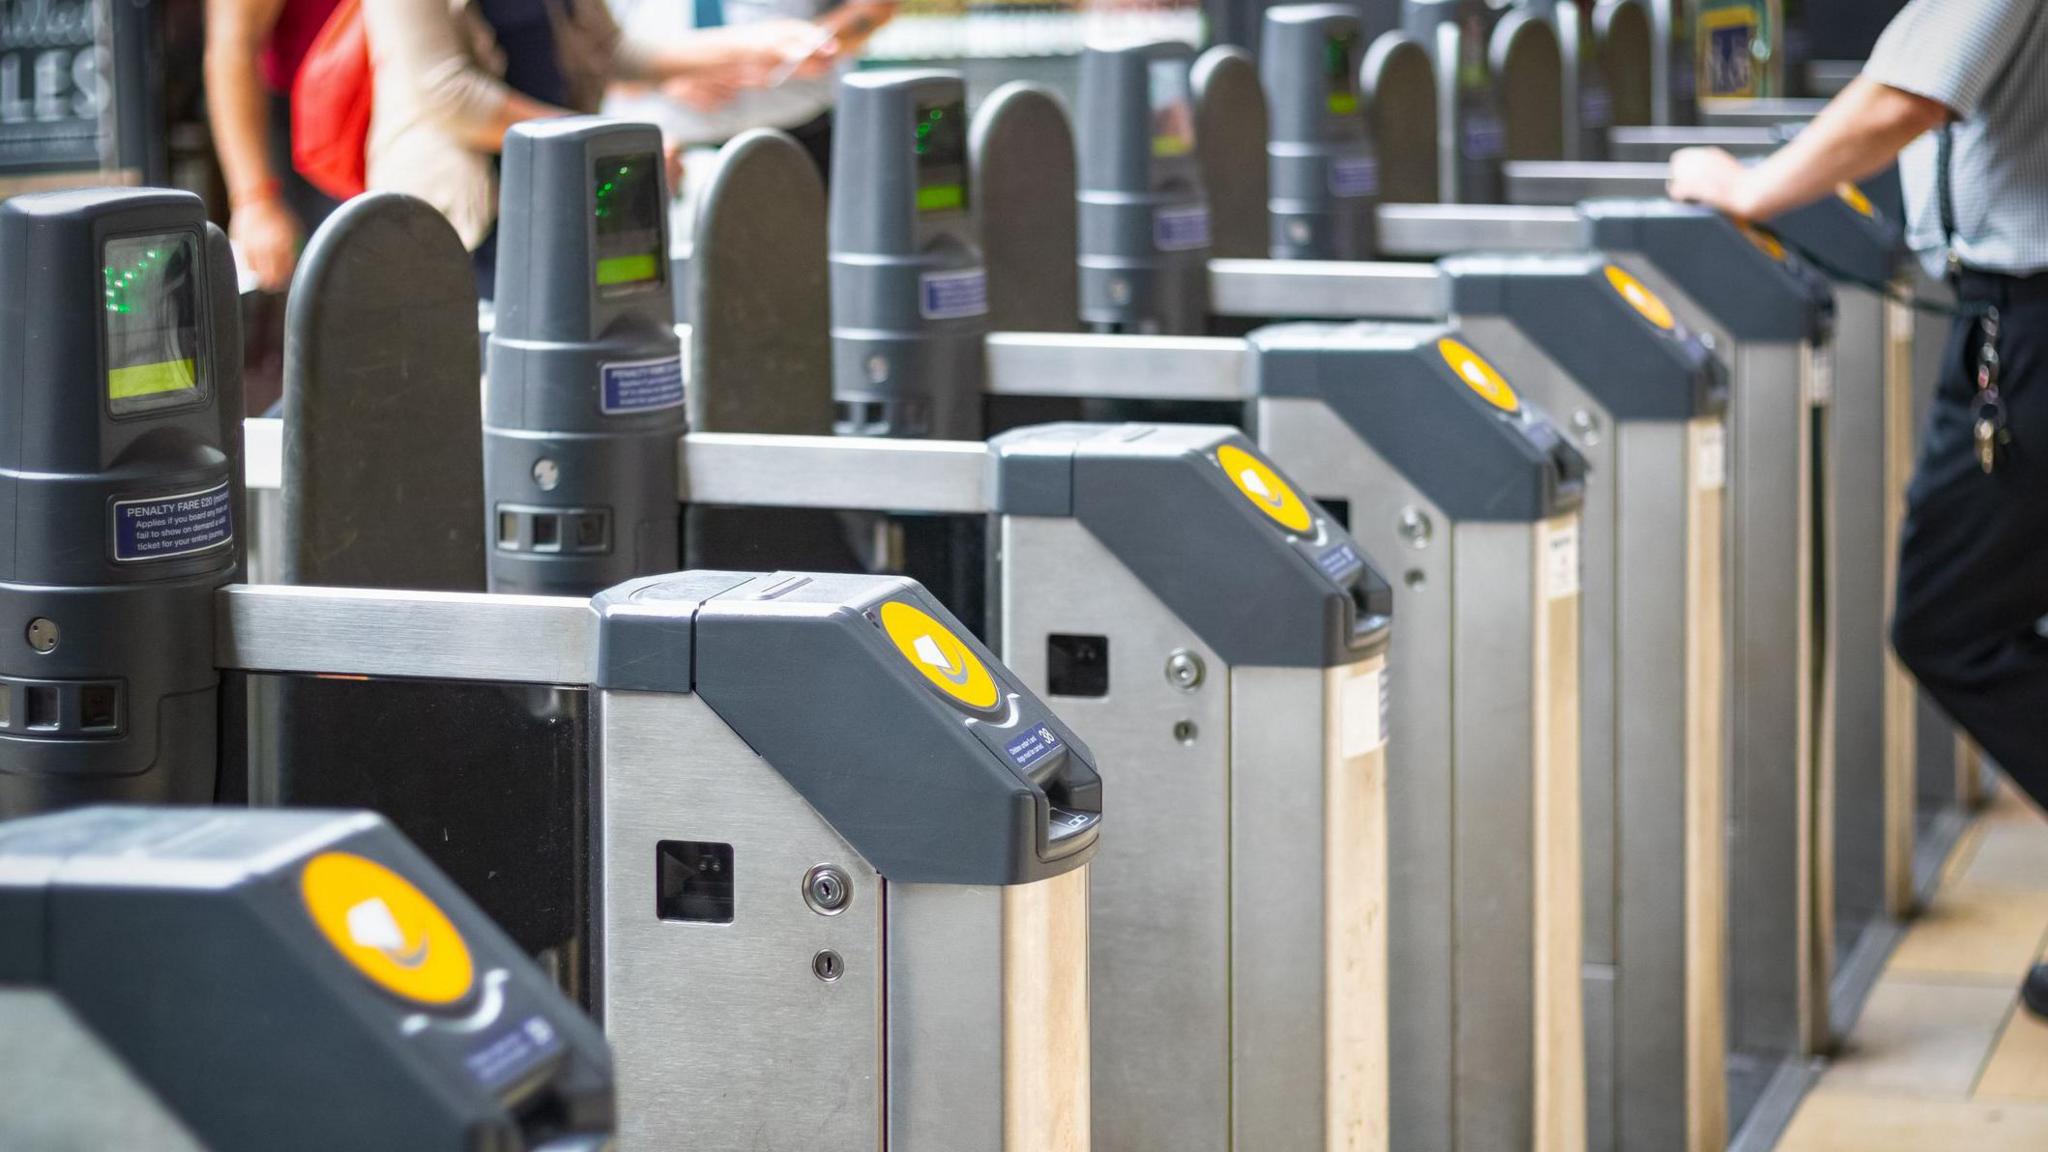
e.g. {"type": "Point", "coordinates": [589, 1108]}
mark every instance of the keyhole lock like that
{"type": "Point", "coordinates": [828, 966]}
{"type": "Point", "coordinates": [828, 890]}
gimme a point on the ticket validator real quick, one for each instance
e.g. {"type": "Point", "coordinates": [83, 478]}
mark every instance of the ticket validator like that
{"type": "Point", "coordinates": [193, 979]}
{"type": "Point", "coordinates": [1142, 213]}
{"type": "Point", "coordinates": [585, 396]}
{"type": "Point", "coordinates": [1167, 586]}
{"type": "Point", "coordinates": [1770, 318]}
{"type": "Point", "coordinates": [1322, 171]}
{"type": "Point", "coordinates": [1340, 403]}
{"type": "Point", "coordinates": [665, 879]}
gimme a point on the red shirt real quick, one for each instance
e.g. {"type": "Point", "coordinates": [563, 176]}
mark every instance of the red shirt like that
{"type": "Point", "coordinates": [298, 25]}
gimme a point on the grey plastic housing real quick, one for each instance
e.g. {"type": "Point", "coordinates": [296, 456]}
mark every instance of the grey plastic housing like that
{"type": "Point", "coordinates": [1843, 243]}
{"type": "Point", "coordinates": [1392, 386]}
{"type": "Point", "coordinates": [1564, 303]}
{"type": "Point", "coordinates": [928, 790]}
{"type": "Point", "coordinates": [1158, 498]}
{"type": "Point", "coordinates": [909, 292]}
{"type": "Point", "coordinates": [1144, 218]}
{"type": "Point", "coordinates": [131, 635]}
{"type": "Point", "coordinates": [1322, 171]}
{"type": "Point", "coordinates": [181, 939]}
{"type": "Point", "coordinates": [563, 350]}
{"type": "Point", "coordinates": [1756, 296]}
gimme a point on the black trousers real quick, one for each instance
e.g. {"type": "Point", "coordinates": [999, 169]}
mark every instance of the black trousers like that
{"type": "Point", "coordinates": [1973, 559]}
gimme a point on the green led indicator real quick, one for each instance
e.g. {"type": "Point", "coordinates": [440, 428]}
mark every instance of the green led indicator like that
{"type": "Point", "coordinates": [941, 197]}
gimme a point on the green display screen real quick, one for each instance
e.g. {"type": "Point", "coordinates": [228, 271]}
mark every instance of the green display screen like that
{"type": "Point", "coordinates": [1340, 72]}
{"type": "Point", "coordinates": [1173, 107]}
{"type": "Point", "coordinates": [151, 339]}
{"type": "Point", "coordinates": [626, 208]}
{"type": "Point", "coordinates": [939, 142]}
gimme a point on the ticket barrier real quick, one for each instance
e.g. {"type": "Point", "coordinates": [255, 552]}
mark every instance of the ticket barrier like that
{"type": "Point", "coordinates": [1164, 582]}
{"type": "Point", "coordinates": [927, 829]}
{"type": "Point", "coordinates": [190, 979]}
{"type": "Point", "coordinates": [1521, 491]}
{"type": "Point", "coordinates": [1769, 318]}
{"type": "Point", "coordinates": [1656, 1055]}
{"type": "Point", "coordinates": [1877, 708]}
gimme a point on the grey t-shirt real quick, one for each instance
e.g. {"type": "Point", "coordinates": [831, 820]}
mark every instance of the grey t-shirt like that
{"type": "Point", "coordinates": [1987, 60]}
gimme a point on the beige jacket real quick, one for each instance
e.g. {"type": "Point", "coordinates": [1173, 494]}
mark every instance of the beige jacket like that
{"type": "Point", "coordinates": [438, 83]}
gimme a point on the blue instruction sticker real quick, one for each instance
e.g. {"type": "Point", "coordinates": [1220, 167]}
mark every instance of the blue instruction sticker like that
{"type": "Point", "coordinates": [643, 385]}
{"type": "Point", "coordinates": [509, 1053]}
{"type": "Point", "coordinates": [1033, 746]}
{"type": "Point", "coordinates": [160, 527]}
{"type": "Point", "coordinates": [1596, 107]}
{"type": "Point", "coordinates": [1355, 176]}
{"type": "Point", "coordinates": [1339, 562]}
{"type": "Point", "coordinates": [1180, 229]}
{"type": "Point", "coordinates": [952, 295]}
{"type": "Point", "coordinates": [1483, 137]}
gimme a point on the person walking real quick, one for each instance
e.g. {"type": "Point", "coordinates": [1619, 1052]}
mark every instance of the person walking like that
{"type": "Point", "coordinates": [1957, 93]}
{"type": "Point", "coordinates": [449, 78]}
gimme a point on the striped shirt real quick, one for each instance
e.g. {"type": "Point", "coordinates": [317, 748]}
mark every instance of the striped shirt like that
{"type": "Point", "coordinates": [1987, 61]}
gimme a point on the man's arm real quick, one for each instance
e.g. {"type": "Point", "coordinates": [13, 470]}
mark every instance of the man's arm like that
{"type": "Point", "coordinates": [238, 109]}
{"type": "Point", "coordinates": [1857, 135]}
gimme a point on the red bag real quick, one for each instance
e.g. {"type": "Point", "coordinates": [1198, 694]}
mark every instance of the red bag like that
{"type": "Point", "coordinates": [331, 105]}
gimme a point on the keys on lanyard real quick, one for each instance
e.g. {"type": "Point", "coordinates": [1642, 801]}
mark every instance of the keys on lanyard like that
{"type": "Point", "coordinates": [1989, 406]}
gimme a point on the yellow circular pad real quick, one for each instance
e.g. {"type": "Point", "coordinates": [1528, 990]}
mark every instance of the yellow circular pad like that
{"type": "Point", "coordinates": [1854, 198]}
{"type": "Point", "coordinates": [387, 928]}
{"type": "Point", "coordinates": [933, 650]}
{"type": "Point", "coordinates": [1264, 488]}
{"type": "Point", "coordinates": [1479, 375]}
{"type": "Point", "coordinates": [1641, 298]}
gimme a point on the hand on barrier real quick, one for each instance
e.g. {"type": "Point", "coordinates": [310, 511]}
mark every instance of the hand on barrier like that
{"type": "Point", "coordinates": [1708, 176]}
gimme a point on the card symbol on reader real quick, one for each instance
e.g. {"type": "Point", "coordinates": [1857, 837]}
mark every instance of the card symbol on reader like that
{"type": "Point", "coordinates": [928, 650]}
{"type": "Point", "coordinates": [371, 924]}
{"type": "Point", "coordinates": [1256, 484]}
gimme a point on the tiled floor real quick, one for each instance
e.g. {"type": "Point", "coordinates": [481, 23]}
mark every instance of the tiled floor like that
{"type": "Point", "coordinates": [1943, 1059]}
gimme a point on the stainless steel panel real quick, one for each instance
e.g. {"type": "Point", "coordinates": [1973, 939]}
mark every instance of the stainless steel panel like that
{"type": "Point", "coordinates": [945, 1017]}
{"type": "Point", "coordinates": [1654, 144]}
{"type": "Point", "coordinates": [1327, 461]}
{"type": "Point", "coordinates": [1493, 835]}
{"type": "Point", "coordinates": [1671, 719]}
{"type": "Point", "coordinates": [1564, 182]}
{"type": "Point", "coordinates": [1160, 890]}
{"type": "Point", "coordinates": [1325, 289]}
{"type": "Point", "coordinates": [1117, 367]}
{"type": "Point", "coordinates": [423, 635]}
{"type": "Point", "coordinates": [1288, 1020]}
{"type": "Point", "coordinates": [1858, 607]}
{"type": "Point", "coordinates": [1430, 231]}
{"type": "Point", "coordinates": [722, 1031]}
{"type": "Point", "coordinates": [745, 470]}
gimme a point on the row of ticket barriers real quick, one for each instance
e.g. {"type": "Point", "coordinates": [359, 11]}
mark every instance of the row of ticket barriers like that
{"type": "Point", "coordinates": [1479, 659]}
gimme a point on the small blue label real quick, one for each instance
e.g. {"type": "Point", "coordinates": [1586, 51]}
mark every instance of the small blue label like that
{"type": "Point", "coordinates": [508, 1054]}
{"type": "Point", "coordinates": [1033, 746]}
{"type": "Point", "coordinates": [952, 295]}
{"type": "Point", "coordinates": [1484, 138]}
{"type": "Point", "coordinates": [1179, 229]}
{"type": "Point", "coordinates": [1596, 108]}
{"type": "Point", "coordinates": [643, 385]}
{"type": "Point", "coordinates": [165, 526]}
{"type": "Point", "coordinates": [1339, 562]}
{"type": "Point", "coordinates": [1357, 176]}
